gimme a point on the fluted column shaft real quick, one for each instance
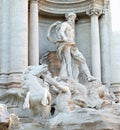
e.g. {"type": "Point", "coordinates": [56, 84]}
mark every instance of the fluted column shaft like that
{"type": "Point", "coordinates": [18, 40]}
{"type": "Point", "coordinates": [95, 44]}
{"type": "Point", "coordinates": [34, 34]}
{"type": "Point", "coordinates": [4, 37]}
{"type": "Point", "coordinates": [105, 47]}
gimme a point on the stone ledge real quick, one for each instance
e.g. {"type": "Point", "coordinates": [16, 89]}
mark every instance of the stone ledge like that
{"type": "Point", "coordinates": [11, 80]}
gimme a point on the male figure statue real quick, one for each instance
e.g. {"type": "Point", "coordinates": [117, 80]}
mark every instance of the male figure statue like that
{"type": "Point", "coordinates": [70, 57]}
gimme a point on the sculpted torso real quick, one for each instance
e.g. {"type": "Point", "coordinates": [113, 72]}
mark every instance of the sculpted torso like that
{"type": "Point", "coordinates": [66, 32]}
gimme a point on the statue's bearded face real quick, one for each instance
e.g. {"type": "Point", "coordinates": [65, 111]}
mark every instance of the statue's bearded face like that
{"type": "Point", "coordinates": [71, 19]}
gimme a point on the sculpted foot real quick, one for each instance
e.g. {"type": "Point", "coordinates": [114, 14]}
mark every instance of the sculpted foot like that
{"type": "Point", "coordinates": [91, 78]}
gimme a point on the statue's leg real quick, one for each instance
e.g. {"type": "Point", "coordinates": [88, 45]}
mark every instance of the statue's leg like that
{"type": "Point", "coordinates": [26, 102]}
{"type": "Point", "coordinates": [67, 56]}
{"type": "Point", "coordinates": [63, 71]}
{"type": "Point", "coordinates": [85, 70]}
{"type": "Point", "coordinates": [77, 55]}
{"type": "Point", "coordinates": [44, 100]}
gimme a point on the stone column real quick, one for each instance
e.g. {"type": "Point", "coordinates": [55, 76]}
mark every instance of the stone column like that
{"type": "Point", "coordinates": [18, 39]}
{"type": "Point", "coordinates": [95, 44]}
{"type": "Point", "coordinates": [115, 47]}
{"type": "Point", "coordinates": [34, 34]}
{"type": "Point", "coordinates": [105, 47]}
{"type": "Point", "coordinates": [4, 40]}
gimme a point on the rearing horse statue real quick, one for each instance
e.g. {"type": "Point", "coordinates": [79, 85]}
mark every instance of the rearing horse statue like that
{"type": "Point", "coordinates": [38, 98]}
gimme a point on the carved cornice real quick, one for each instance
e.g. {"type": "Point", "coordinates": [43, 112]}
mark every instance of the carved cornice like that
{"type": "Point", "coordinates": [63, 6]}
{"type": "Point", "coordinates": [60, 7]}
{"type": "Point", "coordinates": [97, 7]}
{"type": "Point", "coordinates": [66, 2]}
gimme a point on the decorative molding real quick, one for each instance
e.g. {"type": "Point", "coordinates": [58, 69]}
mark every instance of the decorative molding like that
{"type": "Point", "coordinates": [92, 12]}
{"type": "Point", "coordinates": [60, 7]}
{"type": "Point", "coordinates": [96, 8]}
{"type": "Point", "coordinates": [13, 79]}
{"type": "Point", "coordinates": [55, 7]}
{"type": "Point", "coordinates": [66, 2]}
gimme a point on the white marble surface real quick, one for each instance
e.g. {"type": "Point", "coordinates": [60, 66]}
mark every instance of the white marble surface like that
{"type": "Point", "coordinates": [95, 47]}
{"type": "Point", "coordinates": [34, 34]}
{"type": "Point", "coordinates": [18, 35]}
{"type": "Point", "coordinates": [115, 46]}
{"type": "Point", "coordinates": [105, 47]}
{"type": "Point", "coordinates": [4, 37]}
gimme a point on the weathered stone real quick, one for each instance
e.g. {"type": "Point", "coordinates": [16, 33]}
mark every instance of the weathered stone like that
{"type": "Point", "coordinates": [51, 59]}
{"type": "Point", "coordinates": [4, 117]}
{"type": "Point", "coordinates": [78, 100]}
{"type": "Point", "coordinates": [86, 119]}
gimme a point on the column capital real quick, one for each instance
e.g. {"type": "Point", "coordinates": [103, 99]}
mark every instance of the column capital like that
{"type": "Point", "coordinates": [96, 12]}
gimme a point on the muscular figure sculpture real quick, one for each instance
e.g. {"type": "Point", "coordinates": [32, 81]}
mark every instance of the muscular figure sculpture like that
{"type": "Point", "coordinates": [70, 57]}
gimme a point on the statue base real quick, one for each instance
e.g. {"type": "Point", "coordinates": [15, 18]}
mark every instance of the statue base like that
{"type": "Point", "coordinates": [84, 119]}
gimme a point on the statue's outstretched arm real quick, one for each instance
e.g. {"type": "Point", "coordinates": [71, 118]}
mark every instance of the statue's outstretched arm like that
{"type": "Point", "coordinates": [55, 83]}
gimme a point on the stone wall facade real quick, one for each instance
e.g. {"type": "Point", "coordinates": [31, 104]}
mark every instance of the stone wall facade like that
{"type": "Point", "coordinates": [115, 47]}
{"type": "Point", "coordinates": [23, 36]}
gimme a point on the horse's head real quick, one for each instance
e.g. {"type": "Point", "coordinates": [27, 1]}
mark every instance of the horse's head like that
{"type": "Point", "coordinates": [37, 70]}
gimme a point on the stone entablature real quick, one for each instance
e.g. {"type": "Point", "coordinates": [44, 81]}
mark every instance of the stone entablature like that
{"type": "Point", "coordinates": [54, 7]}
